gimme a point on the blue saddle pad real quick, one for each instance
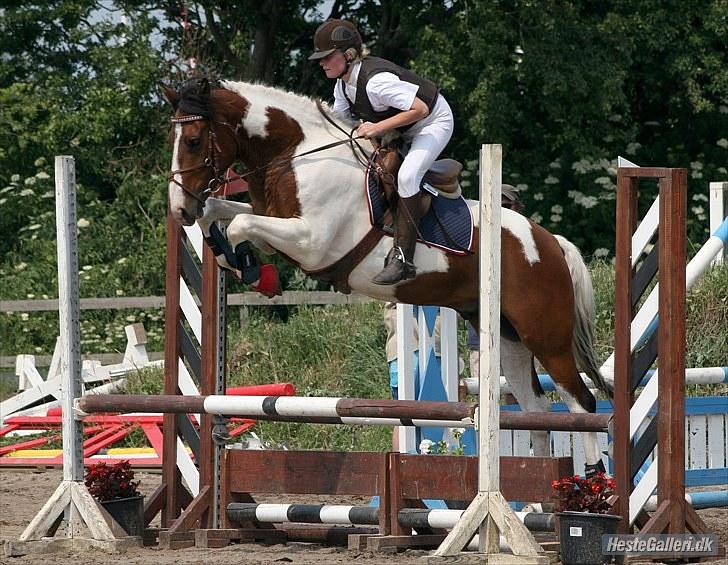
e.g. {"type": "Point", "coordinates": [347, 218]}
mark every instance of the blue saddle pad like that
{"type": "Point", "coordinates": [448, 224]}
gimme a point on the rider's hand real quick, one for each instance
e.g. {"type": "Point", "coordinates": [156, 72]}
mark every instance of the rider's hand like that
{"type": "Point", "coordinates": [368, 130]}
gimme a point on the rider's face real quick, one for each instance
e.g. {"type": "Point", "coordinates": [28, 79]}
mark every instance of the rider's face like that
{"type": "Point", "coordinates": [333, 64]}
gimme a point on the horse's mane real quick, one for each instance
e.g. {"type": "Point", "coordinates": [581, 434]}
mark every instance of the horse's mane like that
{"type": "Point", "coordinates": [299, 106]}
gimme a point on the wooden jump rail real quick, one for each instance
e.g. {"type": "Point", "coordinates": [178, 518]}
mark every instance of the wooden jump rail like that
{"type": "Point", "coordinates": [332, 410]}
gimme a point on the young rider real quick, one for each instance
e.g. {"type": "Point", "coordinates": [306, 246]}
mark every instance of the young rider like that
{"type": "Point", "coordinates": [385, 97]}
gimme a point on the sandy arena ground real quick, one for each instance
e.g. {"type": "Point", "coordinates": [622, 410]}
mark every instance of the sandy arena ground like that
{"type": "Point", "coordinates": [22, 493]}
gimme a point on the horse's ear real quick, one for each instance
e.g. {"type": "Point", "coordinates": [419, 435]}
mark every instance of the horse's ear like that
{"type": "Point", "coordinates": [170, 94]}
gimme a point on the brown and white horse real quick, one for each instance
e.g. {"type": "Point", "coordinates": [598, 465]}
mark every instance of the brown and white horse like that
{"type": "Point", "coordinates": [313, 210]}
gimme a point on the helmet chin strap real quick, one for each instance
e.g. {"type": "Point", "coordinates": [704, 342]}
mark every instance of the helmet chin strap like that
{"type": "Point", "coordinates": [346, 68]}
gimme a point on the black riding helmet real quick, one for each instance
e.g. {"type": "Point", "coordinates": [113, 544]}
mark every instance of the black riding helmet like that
{"type": "Point", "coordinates": [332, 35]}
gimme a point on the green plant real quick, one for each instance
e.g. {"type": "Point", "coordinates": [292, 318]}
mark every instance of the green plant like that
{"type": "Point", "coordinates": [442, 447]}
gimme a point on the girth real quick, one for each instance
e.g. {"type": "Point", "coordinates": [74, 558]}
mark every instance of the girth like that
{"type": "Point", "coordinates": [338, 273]}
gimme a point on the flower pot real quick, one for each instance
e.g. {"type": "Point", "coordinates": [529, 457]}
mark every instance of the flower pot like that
{"type": "Point", "coordinates": [128, 512]}
{"type": "Point", "coordinates": [580, 537]}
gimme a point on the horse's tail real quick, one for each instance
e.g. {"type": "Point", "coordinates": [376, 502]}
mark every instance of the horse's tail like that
{"type": "Point", "coordinates": [584, 312]}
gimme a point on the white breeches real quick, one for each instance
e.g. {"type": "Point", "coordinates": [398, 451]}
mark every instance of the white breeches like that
{"type": "Point", "coordinates": [426, 139]}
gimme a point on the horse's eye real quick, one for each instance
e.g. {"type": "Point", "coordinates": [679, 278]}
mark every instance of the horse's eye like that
{"type": "Point", "coordinates": [192, 142]}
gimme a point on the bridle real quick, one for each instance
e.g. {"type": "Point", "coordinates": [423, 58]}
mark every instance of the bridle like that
{"type": "Point", "coordinates": [220, 178]}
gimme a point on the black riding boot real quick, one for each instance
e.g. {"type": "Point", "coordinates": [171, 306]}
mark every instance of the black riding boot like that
{"type": "Point", "coordinates": [399, 265]}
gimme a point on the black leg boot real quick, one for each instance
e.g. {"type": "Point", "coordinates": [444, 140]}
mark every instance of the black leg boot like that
{"type": "Point", "coordinates": [399, 265]}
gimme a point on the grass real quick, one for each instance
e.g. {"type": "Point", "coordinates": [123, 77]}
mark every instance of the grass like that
{"type": "Point", "coordinates": [339, 351]}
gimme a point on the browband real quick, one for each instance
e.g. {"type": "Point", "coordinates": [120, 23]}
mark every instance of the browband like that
{"type": "Point", "coordinates": [184, 119]}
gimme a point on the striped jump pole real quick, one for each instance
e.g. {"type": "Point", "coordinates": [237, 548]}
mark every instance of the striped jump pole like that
{"type": "Point", "coordinates": [333, 410]}
{"type": "Point", "coordinates": [366, 515]}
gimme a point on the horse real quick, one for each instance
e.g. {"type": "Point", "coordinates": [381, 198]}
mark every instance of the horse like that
{"type": "Point", "coordinates": [307, 197]}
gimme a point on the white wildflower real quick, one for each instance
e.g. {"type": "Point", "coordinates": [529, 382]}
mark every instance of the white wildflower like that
{"type": "Point", "coordinates": [601, 252]}
{"type": "Point", "coordinates": [551, 179]}
{"type": "Point", "coordinates": [555, 218]}
{"type": "Point", "coordinates": [87, 267]}
{"type": "Point", "coordinates": [20, 266]}
{"type": "Point", "coordinates": [426, 445]}
{"type": "Point", "coordinates": [119, 292]}
{"type": "Point", "coordinates": [33, 227]}
{"type": "Point", "coordinates": [632, 148]}
{"type": "Point", "coordinates": [130, 318]}
{"type": "Point", "coordinates": [24, 316]}
{"type": "Point", "coordinates": [42, 175]}
{"type": "Point", "coordinates": [121, 261]}
{"type": "Point", "coordinates": [27, 192]}
{"type": "Point", "coordinates": [722, 142]}
{"type": "Point", "coordinates": [557, 209]}
{"type": "Point", "coordinates": [83, 223]}
{"type": "Point", "coordinates": [538, 196]}
{"type": "Point", "coordinates": [15, 178]}
{"type": "Point", "coordinates": [536, 217]}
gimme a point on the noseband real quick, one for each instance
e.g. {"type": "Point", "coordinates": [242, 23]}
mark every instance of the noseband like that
{"type": "Point", "coordinates": [218, 179]}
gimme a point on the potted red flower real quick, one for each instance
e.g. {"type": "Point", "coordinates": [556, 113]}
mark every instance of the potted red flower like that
{"type": "Point", "coordinates": [583, 510]}
{"type": "Point", "coordinates": [115, 489]}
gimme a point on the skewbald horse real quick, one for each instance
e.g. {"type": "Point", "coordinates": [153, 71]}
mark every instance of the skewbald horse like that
{"type": "Point", "coordinates": [312, 209]}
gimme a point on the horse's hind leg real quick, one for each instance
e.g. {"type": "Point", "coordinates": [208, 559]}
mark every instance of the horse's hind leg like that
{"type": "Point", "coordinates": [578, 399]}
{"type": "Point", "coordinates": [517, 365]}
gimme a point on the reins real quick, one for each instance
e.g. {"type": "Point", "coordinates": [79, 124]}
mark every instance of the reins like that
{"type": "Point", "coordinates": [219, 180]}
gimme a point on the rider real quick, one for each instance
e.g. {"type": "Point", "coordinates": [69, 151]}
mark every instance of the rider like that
{"type": "Point", "coordinates": [385, 97]}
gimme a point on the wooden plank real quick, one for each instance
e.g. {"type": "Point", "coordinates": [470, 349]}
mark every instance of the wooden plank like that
{"type": "Point", "coordinates": [194, 512]}
{"type": "Point", "coordinates": [304, 472]}
{"type": "Point", "coordinates": [521, 443]}
{"type": "Point", "coordinates": [697, 447]}
{"type": "Point", "coordinates": [288, 298]}
{"type": "Point", "coordinates": [623, 398]}
{"type": "Point", "coordinates": [170, 472]}
{"type": "Point", "coordinates": [671, 346]}
{"type": "Point", "coordinates": [8, 361]}
{"type": "Point", "coordinates": [46, 517]}
{"type": "Point", "coordinates": [506, 442]}
{"type": "Point", "coordinates": [717, 441]}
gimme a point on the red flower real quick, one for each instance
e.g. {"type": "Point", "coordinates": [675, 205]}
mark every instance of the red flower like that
{"type": "Point", "coordinates": [584, 495]}
{"type": "Point", "coordinates": [109, 482]}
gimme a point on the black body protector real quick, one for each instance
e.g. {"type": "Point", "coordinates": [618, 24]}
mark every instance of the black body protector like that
{"type": "Point", "coordinates": [361, 107]}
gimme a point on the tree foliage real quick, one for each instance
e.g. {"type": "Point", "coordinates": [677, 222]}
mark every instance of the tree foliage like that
{"type": "Point", "coordinates": [565, 86]}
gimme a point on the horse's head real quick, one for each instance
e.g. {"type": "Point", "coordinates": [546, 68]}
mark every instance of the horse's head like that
{"type": "Point", "coordinates": [204, 145]}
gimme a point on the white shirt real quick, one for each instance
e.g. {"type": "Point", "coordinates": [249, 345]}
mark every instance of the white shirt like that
{"type": "Point", "coordinates": [384, 90]}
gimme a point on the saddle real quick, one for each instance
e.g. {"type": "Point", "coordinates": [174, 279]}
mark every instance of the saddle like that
{"type": "Point", "coordinates": [441, 179]}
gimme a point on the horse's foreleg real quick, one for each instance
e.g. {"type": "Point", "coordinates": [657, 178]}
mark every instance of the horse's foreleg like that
{"type": "Point", "coordinates": [224, 211]}
{"type": "Point", "coordinates": [291, 236]}
{"type": "Point", "coordinates": [517, 365]}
